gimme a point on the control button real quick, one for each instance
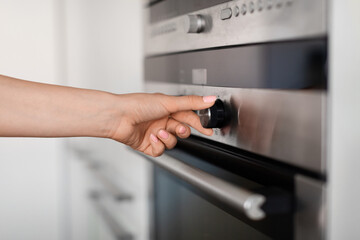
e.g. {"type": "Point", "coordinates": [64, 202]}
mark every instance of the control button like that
{"type": "Point", "coordinates": [194, 23]}
{"type": "Point", "coordinates": [225, 13]}
{"type": "Point", "coordinates": [269, 4]}
{"type": "Point", "coordinates": [243, 9]}
{"type": "Point", "coordinates": [236, 11]}
{"type": "Point", "coordinates": [215, 117]}
{"type": "Point", "coordinates": [251, 7]}
{"type": "Point", "coordinates": [260, 5]}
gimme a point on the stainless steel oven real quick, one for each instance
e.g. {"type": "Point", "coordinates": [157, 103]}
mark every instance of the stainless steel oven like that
{"type": "Point", "coordinates": [262, 174]}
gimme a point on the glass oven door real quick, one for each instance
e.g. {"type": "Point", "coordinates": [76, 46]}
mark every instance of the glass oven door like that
{"type": "Point", "coordinates": [188, 205]}
{"type": "Point", "coordinates": [182, 214]}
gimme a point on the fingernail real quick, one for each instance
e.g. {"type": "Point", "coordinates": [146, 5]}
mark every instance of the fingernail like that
{"type": "Point", "coordinates": [154, 138]}
{"type": "Point", "coordinates": [182, 130]}
{"type": "Point", "coordinates": [163, 134]}
{"type": "Point", "coordinates": [209, 99]}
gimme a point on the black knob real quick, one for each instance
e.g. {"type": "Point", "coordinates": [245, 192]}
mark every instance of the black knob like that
{"type": "Point", "coordinates": [215, 117]}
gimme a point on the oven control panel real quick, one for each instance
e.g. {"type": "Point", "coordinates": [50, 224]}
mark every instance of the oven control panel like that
{"type": "Point", "coordinates": [282, 124]}
{"type": "Point", "coordinates": [235, 23]}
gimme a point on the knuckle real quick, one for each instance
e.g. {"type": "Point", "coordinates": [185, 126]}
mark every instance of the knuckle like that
{"type": "Point", "coordinates": [156, 154]}
{"type": "Point", "coordinates": [169, 103]}
{"type": "Point", "coordinates": [192, 117]}
{"type": "Point", "coordinates": [172, 144]}
{"type": "Point", "coordinates": [158, 151]}
{"type": "Point", "coordinates": [191, 99]}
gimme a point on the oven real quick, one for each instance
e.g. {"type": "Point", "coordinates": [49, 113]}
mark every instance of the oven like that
{"type": "Point", "coordinates": [262, 175]}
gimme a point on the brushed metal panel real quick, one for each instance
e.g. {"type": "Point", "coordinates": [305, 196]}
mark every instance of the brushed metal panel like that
{"type": "Point", "coordinates": [285, 65]}
{"type": "Point", "coordinates": [310, 216]}
{"type": "Point", "coordinates": [286, 125]}
{"type": "Point", "coordinates": [296, 20]}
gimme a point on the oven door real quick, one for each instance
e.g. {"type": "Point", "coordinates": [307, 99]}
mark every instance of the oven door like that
{"type": "Point", "coordinates": [206, 191]}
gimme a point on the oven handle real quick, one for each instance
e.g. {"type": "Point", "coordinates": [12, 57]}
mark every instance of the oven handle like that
{"type": "Point", "coordinates": [241, 199]}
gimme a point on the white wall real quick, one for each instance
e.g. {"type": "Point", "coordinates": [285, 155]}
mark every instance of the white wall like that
{"type": "Point", "coordinates": [344, 115]}
{"type": "Point", "coordinates": [104, 45]}
{"type": "Point", "coordinates": [30, 169]}
{"type": "Point", "coordinates": [93, 44]}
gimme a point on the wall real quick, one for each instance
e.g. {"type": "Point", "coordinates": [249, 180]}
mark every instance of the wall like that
{"type": "Point", "coordinates": [344, 115]}
{"type": "Point", "coordinates": [43, 183]}
{"type": "Point", "coordinates": [30, 169]}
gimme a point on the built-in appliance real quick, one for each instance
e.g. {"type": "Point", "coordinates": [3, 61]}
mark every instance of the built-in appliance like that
{"type": "Point", "coordinates": [262, 174]}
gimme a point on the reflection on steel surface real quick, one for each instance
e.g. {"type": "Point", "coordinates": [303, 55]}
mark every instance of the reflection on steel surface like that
{"type": "Point", "coordinates": [282, 124]}
{"type": "Point", "coordinates": [245, 201]}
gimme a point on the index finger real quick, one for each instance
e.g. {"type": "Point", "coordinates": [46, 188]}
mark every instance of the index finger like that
{"type": "Point", "coordinates": [189, 102]}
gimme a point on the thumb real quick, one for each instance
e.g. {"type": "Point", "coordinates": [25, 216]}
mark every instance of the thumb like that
{"type": "Point", "coordinates": [190, 102]}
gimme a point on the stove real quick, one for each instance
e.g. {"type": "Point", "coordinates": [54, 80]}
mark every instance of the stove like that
{"type": "Point", "coordinates": [262, 174]}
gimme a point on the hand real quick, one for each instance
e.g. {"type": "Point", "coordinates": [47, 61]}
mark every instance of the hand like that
{"type": "Point", "coordinates": [150, 122]}
{"type": "Point", "coordinates": [146, 122]}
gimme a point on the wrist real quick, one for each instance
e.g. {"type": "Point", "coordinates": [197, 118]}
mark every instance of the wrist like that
{"type": "Point", "coordinates": [103, 115]}
{"type": "Point", "coordinates": [113, 115]}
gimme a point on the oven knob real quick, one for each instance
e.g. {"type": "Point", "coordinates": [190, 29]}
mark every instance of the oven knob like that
{"type": "Point", "coordinates": [215, 117]}
{"type": "Point", "coordinates": [194, 23]}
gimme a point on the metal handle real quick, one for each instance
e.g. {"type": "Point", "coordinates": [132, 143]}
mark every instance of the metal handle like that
{"type": "Point", "coordinates": [241, 199]}
{"type": "Point", "coordinates": [115, 228]}
{"type": "Point", "coordinates": [110, 187]}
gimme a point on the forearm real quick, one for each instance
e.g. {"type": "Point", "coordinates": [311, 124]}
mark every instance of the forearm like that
{"type": "Point", "coordinates": [29, 109]}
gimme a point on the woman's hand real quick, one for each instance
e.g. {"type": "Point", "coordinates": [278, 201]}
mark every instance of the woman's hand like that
{"type": "Point", "coordinates": [150, 122]}
{"type": "Point", "coordinates": [146, 122]}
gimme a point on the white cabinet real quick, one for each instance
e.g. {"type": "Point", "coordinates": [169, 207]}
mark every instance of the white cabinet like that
{"type": "Point", "coordinates": [104, 51]}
